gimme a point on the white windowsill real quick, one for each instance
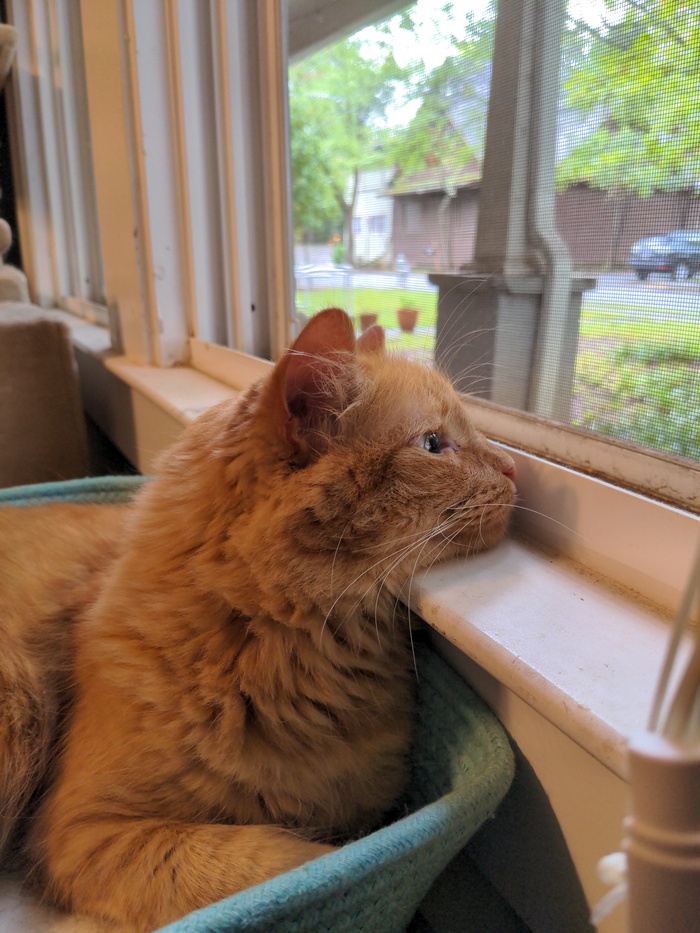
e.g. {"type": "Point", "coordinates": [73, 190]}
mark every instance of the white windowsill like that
{"type": "Point", "coordinates": [182, 392]}
{"type": "Point", "coordinates": [583, 653]}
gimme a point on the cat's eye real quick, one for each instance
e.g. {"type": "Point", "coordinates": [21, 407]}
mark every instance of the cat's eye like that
{"type": "Point", "coordinates": [431, 442]}
{"type": "Point", "coordinates": [435, 442]}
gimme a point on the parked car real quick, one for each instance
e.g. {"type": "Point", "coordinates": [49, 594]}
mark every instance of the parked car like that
{"type": "Point", "coordinates": [677, 252]}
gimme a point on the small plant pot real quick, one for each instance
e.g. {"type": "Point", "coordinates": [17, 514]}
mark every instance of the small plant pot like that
{"type": "Point", "coordinates": [367, 319]}
{"type": "Point", "coordinates": [408, 318]}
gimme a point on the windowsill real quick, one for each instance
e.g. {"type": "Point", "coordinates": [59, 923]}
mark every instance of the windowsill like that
{"type": "Point", "coordinates": [582, 651]}
{"type": "Point", "coordinates": [182, 392]}
{"type": "Point", "coordinates": [585, 654]}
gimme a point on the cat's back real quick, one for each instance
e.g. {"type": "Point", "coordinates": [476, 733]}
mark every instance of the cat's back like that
{"type": "Point", "coordinates": [52, 559]}
{"type": "Point", "coordinates": [50, 553]}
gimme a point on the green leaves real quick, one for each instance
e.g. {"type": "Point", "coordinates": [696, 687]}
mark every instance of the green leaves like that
{"type": "Point", "coordinates": [337, 100]}
{"type": "Point", "coordinates": [412, 93]}
{"type": "Point", "coordinates": [353, 107]}
{"type": "Point", "coordinates": [636, 83]}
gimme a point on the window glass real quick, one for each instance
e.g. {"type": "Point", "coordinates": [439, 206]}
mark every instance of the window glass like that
{"type": "Point", "coordinates": [388, 148]}
{"type": "Point", "coordinates": [382, 126]}
{"type": "Point", "coordinates": [628, 176]}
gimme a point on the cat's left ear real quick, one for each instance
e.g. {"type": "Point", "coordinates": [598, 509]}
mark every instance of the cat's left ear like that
{"type": "Point", "coordinates": [314, 382]}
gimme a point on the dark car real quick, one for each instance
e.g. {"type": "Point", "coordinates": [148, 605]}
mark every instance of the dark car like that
{"type": "Point", "coordinates": [677, 252]}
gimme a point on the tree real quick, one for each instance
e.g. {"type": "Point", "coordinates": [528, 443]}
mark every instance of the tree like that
{"type": "Point", "coordinates": [635, 85]}
{"type": "Point", "coordinates": [338, 99]}
{"type": "Point", "coordinates": [446, 135]}
{"type": "Point", "coordinates": [344, 101]}
{"type": "Point", "coordinates": [316, 211]}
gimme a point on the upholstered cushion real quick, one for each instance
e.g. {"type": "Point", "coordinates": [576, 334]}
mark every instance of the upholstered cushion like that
{"type": "Point", "coordinates": [42, 427]}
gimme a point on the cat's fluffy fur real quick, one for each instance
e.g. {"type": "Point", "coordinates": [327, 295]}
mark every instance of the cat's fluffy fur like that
{"type": "Point", "coordinates": [238, 679]}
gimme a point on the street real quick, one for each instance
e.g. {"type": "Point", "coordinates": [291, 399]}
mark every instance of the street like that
{"type": "Point", "coordinates": [658, 293]}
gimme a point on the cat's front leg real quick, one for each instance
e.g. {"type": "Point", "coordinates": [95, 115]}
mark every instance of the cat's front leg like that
{"type": "Point", "coordinates": [149, 872]}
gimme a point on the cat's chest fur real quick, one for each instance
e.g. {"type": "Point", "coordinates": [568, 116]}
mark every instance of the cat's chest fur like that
{"type": "Point", "coordinates": [252, 721]}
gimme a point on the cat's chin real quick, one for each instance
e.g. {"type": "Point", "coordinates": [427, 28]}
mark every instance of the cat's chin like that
{"type": "Point", "coordinates": [488, 534]}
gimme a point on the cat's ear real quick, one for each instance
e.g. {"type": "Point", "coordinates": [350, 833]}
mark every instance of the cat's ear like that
{"type": "Point", "coordinates": [372, 341]}
{"type": "Point", "coordinates": [313, 382]}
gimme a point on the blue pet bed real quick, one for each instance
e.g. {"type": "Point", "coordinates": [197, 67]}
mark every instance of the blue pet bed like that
{"type": "Point", "coordinates": [462, 766]}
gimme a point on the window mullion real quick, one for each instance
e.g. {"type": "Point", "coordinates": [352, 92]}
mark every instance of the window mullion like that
{"type": "Point", "coordinates": [245, 138]}
{"type": "Point", "coordinates": [35, 162]}
{"type": "Point", "coordinates": [226, 175]}
{"type": "Point", "coordinates": [277, 205]}
{"type": "Point", "coordinates": [87, 284]}
{"type": "Point", "coordinates": [110, 108]}
{"type": "Point", "coordinates": [160, 167]}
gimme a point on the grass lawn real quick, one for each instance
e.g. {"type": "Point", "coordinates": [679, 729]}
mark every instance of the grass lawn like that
{"type": "Point", "coordinates": [637, 377]}
{"type": "Point", "coordinates": [383, 303]}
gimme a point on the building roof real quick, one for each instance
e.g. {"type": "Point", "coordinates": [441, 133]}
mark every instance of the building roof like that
{"type": "Point", "coordinates": [432, 178]}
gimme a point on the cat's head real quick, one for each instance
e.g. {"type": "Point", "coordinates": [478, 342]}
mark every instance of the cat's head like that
{"type": "Point", "coordinates": [381, 465]}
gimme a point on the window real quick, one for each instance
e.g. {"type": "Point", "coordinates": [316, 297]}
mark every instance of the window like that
{"type": "Point", "coordinates": [577, 303]}
{"type": "Point", "coordinates": [170, 234]}
{"type": "Point", "coordinates": [172, 214]}
{"type": "Point", "coordinates": [411, 213]}
{"type": "Point", "coordinates": [62, 258]}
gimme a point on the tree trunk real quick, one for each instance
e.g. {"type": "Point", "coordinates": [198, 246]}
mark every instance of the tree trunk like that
{"type": "Point", "coordinates": [348, 209]}
{"type": "Point", "coordinates": [445, 232]}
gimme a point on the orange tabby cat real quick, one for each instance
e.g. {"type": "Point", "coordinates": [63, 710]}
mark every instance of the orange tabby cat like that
{"type": "Point", "coordinates": [241, 685]}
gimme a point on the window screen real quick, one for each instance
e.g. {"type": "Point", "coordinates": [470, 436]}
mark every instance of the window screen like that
{"type": "Point", "coordinates": [628, 207]}
{"type": "Point", "coordinates": [388, 140]}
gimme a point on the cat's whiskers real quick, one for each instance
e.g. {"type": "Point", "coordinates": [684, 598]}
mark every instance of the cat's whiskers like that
{"type": "Point", "coordinates": [404, 553]}
{"type": "Point", "coordinates": [364, 595]}
{"type": "Point", "coordinates": [335, 554]}
{"type": "Point", "coordinates": [414, 534]}
{"type": "Point", "coordinates": [381, 544]}
{"type": "Point", "coordinates": [522, 508]}
{"type": "Point", "coordinates": [440, 549]}
{"type": "Point", "coordinates": [396, 558]}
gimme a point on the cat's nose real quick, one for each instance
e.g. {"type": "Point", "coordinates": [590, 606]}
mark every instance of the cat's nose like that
{"type": "Point", "coordinates": [508, 467]}
{"type": "Point", "coordinates": [503, 461]}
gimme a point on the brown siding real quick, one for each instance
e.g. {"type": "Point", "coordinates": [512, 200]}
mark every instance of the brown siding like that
{"type": "Point", "coordinates": [597, 228]}
{"type": "Point", "coordinates": [424, 241]}
{"type": "Point", "coordinates": [600, 228]}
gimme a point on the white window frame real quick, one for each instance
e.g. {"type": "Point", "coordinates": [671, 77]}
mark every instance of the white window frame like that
{"type": "Point", "coordinates": [181, 227]}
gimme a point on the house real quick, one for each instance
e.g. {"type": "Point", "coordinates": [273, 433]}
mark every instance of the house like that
{"type": "Point", "coordinates": [434, 230]}
{"type": "Point", "coordinates": [372, 219]}
{"type": "Point", "coordinates": [437, 233]}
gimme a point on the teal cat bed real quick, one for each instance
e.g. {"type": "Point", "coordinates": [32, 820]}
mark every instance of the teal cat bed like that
{"type": "Point", "coordinates": [462, 766]}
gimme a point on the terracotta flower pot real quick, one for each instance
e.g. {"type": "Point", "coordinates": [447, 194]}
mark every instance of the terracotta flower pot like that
{"type": "Point", "coordinates": [367, 318]}
{"type": "Point", "coordinates": [408, 318]}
